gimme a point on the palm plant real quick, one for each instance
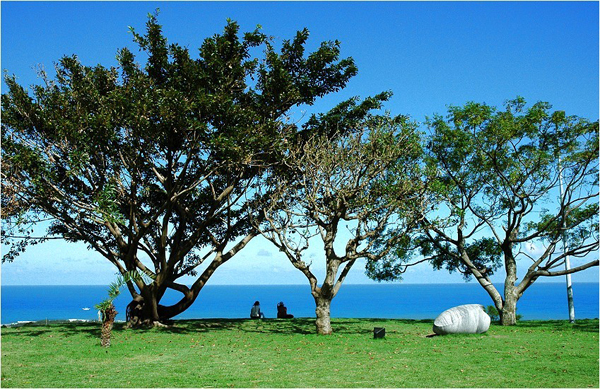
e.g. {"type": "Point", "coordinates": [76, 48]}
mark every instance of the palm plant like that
{"type": "Point", "coordinates": [107, 308]}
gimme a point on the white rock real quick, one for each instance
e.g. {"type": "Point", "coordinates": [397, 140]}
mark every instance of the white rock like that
{"type": "Point", "coordinates": [464, 319]}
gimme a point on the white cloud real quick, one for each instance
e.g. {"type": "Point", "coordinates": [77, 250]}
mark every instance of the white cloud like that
{"type": "Point", "coordinates": [264, 253]}
{"type": "Point", "coordinates": [257, 264]}
{"type": "Point", "coordinates": [534, 249]}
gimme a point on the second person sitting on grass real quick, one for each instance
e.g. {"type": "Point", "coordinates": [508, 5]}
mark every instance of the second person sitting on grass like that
{"type": "Point", "coordinates": [255, 312]}
{"type": "Point", "coordinates": [282, 312]}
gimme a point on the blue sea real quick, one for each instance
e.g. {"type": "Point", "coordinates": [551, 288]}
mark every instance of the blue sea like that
{"type": "Point", "coordinates": [542, 301]}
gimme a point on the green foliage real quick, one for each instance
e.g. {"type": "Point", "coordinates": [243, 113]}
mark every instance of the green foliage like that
{"type": "Point", "coordinates": [492, 312]}
{"type": "Point", "coordinates": [497, 179]}
{"type": "Point", "coordinates": [107, 204]}
{"type": "Point", "coordinates": [285, 353]}
{"type": "Point", "coordinates": [359, 173]}
{"type": "Point", "coordinates": [504, 185]}
{"type": "Point", "coordinates": [495, 315]}
{"type": "Point", "coordinates": [161, 157]}
{"type": "Point", "coordinates": [114, 289]}
{"type": "Point", "coordinates": [104, 138]}
{"type": "Point", "coordinates": [576, 227]}
{"type": "Point", "coordinates": [484, 253]}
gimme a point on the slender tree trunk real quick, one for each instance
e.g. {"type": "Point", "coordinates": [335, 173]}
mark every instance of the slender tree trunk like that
{"type": "Point", "coordinates": [491, 290]}
{"type": "Point", "coordinates": [323, 311]}
{"type": "Point", "coordinates": [485, 282]}
{"type": "Point", "coordinates": [508, 315]}
{"type": "Point", "coordinates": [324, 295]}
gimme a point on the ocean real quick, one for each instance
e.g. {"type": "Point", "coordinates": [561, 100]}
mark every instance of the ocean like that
{"type": "Point", "coordinates": [542, 301]}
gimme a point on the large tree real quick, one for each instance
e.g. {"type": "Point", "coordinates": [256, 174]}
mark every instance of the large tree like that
{"type": "Point", "coordinates": [153, 166]}
{"type": "Point", "coordinates": [345, 188]}
{"type": "Point", "coordinates": [513, 185]}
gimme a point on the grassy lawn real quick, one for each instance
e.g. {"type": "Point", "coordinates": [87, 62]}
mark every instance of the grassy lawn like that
{"type": "Point", "coordinates": [287, 353]}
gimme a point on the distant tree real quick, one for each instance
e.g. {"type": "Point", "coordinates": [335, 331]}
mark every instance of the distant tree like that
{"type": "Point", "coordinates": [154, 167]}
{"type": "Point", "coordinates": [498, 182]}
{"type": "Point", "coordinates": [346, 188]}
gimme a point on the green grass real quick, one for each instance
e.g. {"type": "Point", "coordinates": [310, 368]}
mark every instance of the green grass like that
{"type": "Point", "coordinates": [287, 353]}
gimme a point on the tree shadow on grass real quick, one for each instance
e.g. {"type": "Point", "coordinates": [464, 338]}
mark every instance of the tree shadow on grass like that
{"type": "Point", "coordinates": [298, 326]}
{"type": "Point", "coordinates": [26, 332]}
{"type": "Point", "coordinates": [67, 329]}
{"type": "Point", "coordinates": [303, 326]}
{"type": "Point", "coordinates": [341, 326]}
{"type": "Point", "coordinates": [585, 325]}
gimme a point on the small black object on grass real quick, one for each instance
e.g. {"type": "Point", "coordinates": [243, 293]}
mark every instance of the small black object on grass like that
{"type": "Point", "coordinates": [378, 333]}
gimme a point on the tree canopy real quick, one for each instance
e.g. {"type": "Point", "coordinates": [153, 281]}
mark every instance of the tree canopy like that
{"type": "Point", "coordinates": [154, 166]}
{"type": "Point", "coordinates": [513, 184]}
{"type": "Point", "coordinates": [345, 189]}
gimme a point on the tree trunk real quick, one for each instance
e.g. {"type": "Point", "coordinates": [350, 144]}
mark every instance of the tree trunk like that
{"type": "Point", "coordinates": [167, 312]}
{"type": "Point", "coordinates": [508, 315]}
{"type": "Point", "coordinates": [108, 319]}
{"type": "Point", "coordinates": [145, 309]}
{"type": "Point", "coordinates": [135, 314]}
{"type": "Point", "coordinates": [143, 312]}
{"type": "Point", "coordinates": [323, 322]}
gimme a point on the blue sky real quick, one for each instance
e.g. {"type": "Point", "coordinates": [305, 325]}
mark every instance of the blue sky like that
{"type": "Point", "coordinates": [430, 54]}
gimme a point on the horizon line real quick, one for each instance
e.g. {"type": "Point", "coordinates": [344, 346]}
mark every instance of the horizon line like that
{"type": "Point", "coordinates": [358, 284]}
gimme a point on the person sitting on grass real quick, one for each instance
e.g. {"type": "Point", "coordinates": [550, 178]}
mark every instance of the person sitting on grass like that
{"type": "Point", "coordinates": [282, 312]}
{"type": "Point", "coordinates": [255, 312]}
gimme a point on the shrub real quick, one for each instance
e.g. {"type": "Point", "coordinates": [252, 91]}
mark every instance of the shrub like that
{"type": "Point", "coordinates": [495, 315]}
